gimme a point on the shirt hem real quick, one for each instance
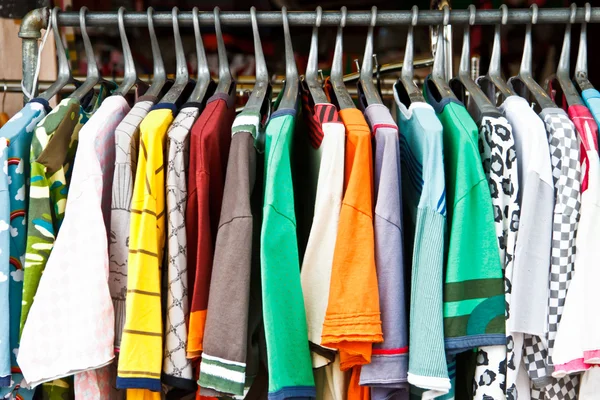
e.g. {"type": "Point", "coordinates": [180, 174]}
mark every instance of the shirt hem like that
{"type": "Point", "coordinates": [33, 384]}
{"type": "Point", "coordinates": [385, 371]}
{"type": "Point", "coordinates": [463, 343]}
{"type": "Point", "coordinates": [178, 382]}
{"type": "Point", "coordinates": [571, 367]}
{"type": "Point", "coordinates": [439, 385]}
{"type": "Point", "coordinates": [139, 383]}
{"type": "Point", "coordinates": [591, 356]}
{"type": "Point", "coordinates": [292, 392]}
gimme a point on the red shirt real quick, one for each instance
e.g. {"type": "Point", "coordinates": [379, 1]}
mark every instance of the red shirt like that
{"type": "Point", "coordinates": [209, 150]}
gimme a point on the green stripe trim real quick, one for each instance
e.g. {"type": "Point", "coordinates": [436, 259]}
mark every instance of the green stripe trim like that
{"type": "Point", "coordinates": [231, 367]}
{"type": "Point", "coordinates": [220, 384]}
{"type": "Point", "coordinates": [459, 308]}
{"type": "Point", "coordinates": [473, 289]}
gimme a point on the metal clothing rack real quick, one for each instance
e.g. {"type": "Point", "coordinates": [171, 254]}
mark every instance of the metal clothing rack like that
{"type": "Point", "coordinates": [37, 19]}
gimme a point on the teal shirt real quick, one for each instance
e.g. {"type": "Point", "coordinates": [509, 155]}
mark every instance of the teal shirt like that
{"type": "Point", "coordinates": [290, 368]}
{"type": "Point", "coordinates": [474, 281]}
{"type": "Point", "coordinates": [13, 205]}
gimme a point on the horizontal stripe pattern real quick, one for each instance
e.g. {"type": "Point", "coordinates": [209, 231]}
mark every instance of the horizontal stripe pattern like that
{"type": "Point", "coordinates": [224, 376]}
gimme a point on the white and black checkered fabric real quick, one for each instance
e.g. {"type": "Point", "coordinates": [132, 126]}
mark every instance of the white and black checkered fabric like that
{"type": "Point", "coordinates": [566, 172]}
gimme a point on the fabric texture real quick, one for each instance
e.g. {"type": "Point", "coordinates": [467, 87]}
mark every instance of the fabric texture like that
{"type": "Point", "coordinates": [210, 139]}
{"type": "Point", "coordinates": [473, 297]}
{"type": "Point", "coordinates": [566, 172]}
{"type": "Point", "coordinates": [127, 137]}
{"type": "Point", "coordinates": [76, 274]}
{"type": "Point", "coordinates": [329, 134]}
{"type": "Point", "coordinates": [577, 346]}
{"type": "Point", "coordinates": [389, 362]}
{"type": "Point", "coordinates": [140, 359]}
{"type": "Point", "coordinates": [177, 369]}
{"type": "Point", "coordinates": [290, 372]}
{"type": "Point", "coordinates": [591, 97]}
{"type": "Point", "coordinates": [224, 359]}
{"type": "Point", "coordinates": [499, 158]}
{"type": "Point", "coordinates": [352, 321]}
{"type": "Point", "coordinates": [424, 201]}
{"type": "Point", "coordinates": [17, 132]}
{"type": "Point", "coordinates": [47, 194]}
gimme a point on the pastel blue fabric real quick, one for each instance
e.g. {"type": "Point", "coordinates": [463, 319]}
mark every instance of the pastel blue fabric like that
{"type": "Point", "coordinates": [16, 134]}
{"type": "Point", "coordinates": [591, 97]}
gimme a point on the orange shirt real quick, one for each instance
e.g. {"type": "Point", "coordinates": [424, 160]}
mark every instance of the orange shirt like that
{"type": "Point", "coordinates": [352, 323]}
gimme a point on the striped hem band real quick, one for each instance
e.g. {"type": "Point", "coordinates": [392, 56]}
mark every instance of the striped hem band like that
{"type": "Point", "coordinates": [222, 375]}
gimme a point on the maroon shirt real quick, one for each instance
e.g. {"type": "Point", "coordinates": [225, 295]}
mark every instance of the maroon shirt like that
{"type": "Point", "coordinates": [209, 150]}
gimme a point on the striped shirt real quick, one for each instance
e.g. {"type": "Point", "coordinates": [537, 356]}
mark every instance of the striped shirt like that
{"type": "Point", "coordinates": [127, 137]}
{"type": "Point", "coordinates": [140, 362]}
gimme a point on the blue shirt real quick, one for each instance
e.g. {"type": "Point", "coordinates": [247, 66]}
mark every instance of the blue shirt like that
{"type": "Point", "coordinates": [15, 143]}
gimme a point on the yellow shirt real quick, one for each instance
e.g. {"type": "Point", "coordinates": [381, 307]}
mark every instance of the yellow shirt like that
{"type": "Point", "coordinates": [140, 360]}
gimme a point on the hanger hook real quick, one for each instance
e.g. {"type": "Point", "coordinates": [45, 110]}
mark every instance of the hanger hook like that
{"type": "Point", "coordinates": [415, 15]}
{"type": "Point", "coordinates": [344, 12]}
{"type": "Point", "coordinates": [504, 10]}
{"type": "Point", "coordinates": [573, 13]}
{"type": "Point", "coordinates": [319, 12]}
{"type": "Point", "coordinates": [588, 12]}
{"type": "Point", "coordinates": [472, 13]}
{"type": "Point", "coordinates": [446, 9]}
{"type": "Point", "coordinates": [373, 16]}
{"type": "Point", "coordinates": [534, 13]}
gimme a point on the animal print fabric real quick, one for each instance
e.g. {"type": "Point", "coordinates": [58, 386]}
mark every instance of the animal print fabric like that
{"type": "Point", "coordinates": [499, 158]}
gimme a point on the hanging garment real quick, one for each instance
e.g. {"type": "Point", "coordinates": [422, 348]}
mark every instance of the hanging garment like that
{"type": "Point", "coordinates": [331, 382]}
{"type": "Point", "coordinates": [177, 369]}
{"type": "Point", "coordinates": [590, 384]}
{"type": "Point", "coordinates": [469, 322]}
{"type": "Point", "coordinates": [424, 198]}
{"type": "Point", "coordinates": [127, 137]}
{"type": "Point", "coordinates": [224, 366]}
{"type": "Point", "coordinates": [389, 361]}
{"type": "Point", "coordinates": [591, 97]}
{"type": "Point", "coordinates": [47, 196]}
{"type": "Point", "coordinates": [352, 321]}
{"type": "Point", "coordinates": [527, 288]}
{"type": "Point", "coordinates": [566, 173]}
{"type": "Point", "coordinates": [499, 158]}
{"type": "Point", "coordinates": [19, 133]}
{"type": "Point", "coordinates": [290, 372]}
{"type": "Point", "coordinates": [5, 373]}
{"type": "Point", "coordinates": [140, 358]}
{"type": "Point", "coordinates": [327, 136]}
{"type": "Point", "coordinates": [74, 290]}
{"type": "Point", "coordinates": [577, 346]}
{"type": "Point", "coordinates": [209, 148]}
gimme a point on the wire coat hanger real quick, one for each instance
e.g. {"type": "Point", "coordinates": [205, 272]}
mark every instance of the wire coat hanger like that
{"type": "Point", "coordinates": [290, 94]}
{"type": "Point", "coordinates": [64, 71]}
{"type": "Point", "coordinates": [494, 74]}
{"type": "Point", "coordinates": [160, 75]}
{"type": "Point", "coordinates": [405, 86]}
{"type": "Point", "coordinates": [225, 78]}
{"type": "Point", "coordinates": [203, 80]}
{"type": "Point", "coordinates": [182, 76]}
{"type": "Point", "coordinates": [344, 99]}
{"type": "Point", "coordinates": [525, 76]}
{"type": "Point", "coordinates": [129, 75]}
{"type": "Point", "coordinates": [581, 68]}
{"type": "Point", "coordinates": [463, 81]}
{"type": "Point", "coordinates": [260, 98]}
{"type": "Point", "coordinates": [366, 71]}
{"type": "Point", "coordinates": [93, 75]}
{"type": "Point", "coordinates": [314, 85]}
{"type": "Point", "coordinates": [563, 74]}
{"type": "Point", "coordinates": [438, 73]}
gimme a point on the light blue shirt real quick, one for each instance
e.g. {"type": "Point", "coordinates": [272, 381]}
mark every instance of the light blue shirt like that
{"type": "Point", "coordinates": [592, 101]}
{"type": "Point", "coordinates": [16, 134]}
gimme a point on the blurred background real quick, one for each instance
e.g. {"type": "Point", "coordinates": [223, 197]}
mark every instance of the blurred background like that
{"type": "Point", "coordinates": [389, 42]}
